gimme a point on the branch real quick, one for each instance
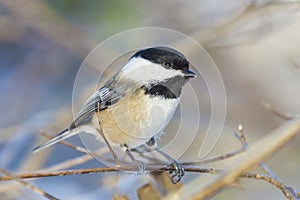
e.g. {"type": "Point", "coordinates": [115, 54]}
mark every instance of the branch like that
{"type": "Point", "coordinates": [250, 175]}
{"type": "Point", "coordinates": [287, 191]}
{"type": "Point", "coordinates": [263, 149]}
{"type": "Point", "coordinates": [280, 114]}
{"type": "Point", "coordinates": [103, 170]}
{"type": "Point", "coordinates": [246, 146]}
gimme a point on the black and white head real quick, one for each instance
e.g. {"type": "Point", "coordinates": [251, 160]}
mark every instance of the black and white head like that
{"type": "Point", "coordinates": [159, 70]}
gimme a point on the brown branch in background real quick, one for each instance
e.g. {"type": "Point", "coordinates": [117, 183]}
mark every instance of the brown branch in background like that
{"type": "Point", "coordinates": [28, 185]}
{"type": "Point", "coordinates": [276, 112]}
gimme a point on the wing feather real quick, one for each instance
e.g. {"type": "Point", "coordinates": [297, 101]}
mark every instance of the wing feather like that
{"type": "Point", "coordinates": [103, 98]}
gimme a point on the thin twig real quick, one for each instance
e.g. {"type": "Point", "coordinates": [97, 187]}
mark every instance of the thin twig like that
{"type": "Point", "coordinates": [288, 192]}
{"type": "Point", "coordinates": [247, 148]}
{"type": "Point", "coordinates": [215, 158]}
{"type": "Point", "coordinates": [83, 171]}
{"type": "Point", "coordinates": [244, 147]}
{"type": "Point", "coordinates": [28, 185]}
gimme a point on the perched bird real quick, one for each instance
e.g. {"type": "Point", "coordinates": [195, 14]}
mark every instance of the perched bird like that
{"type": "Point", "coordinates": [134, 106]}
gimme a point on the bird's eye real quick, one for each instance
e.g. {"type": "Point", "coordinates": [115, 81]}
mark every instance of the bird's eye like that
{"type": "Point", "coordinates": [167, 64]}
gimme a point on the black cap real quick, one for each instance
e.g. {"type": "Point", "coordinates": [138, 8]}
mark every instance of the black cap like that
{"type": "Point", "coordinates": [166, 56]}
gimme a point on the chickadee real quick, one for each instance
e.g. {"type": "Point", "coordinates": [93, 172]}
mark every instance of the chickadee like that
{"type": "Point", "coordinates": [135, 105]}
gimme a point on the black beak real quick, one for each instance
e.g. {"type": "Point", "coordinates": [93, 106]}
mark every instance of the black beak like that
{"type": "Point", "coordinates": [189, 74]}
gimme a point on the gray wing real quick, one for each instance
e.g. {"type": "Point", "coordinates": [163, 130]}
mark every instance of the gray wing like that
{"type": "Point", "coordinates": [103, 98]}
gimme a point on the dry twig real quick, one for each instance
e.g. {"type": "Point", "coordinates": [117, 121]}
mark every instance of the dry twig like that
{"type": "Point", "coordinates": [223, 156]}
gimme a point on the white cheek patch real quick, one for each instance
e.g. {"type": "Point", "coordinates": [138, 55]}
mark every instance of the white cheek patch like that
{"type": "Point", "coordinates": [144, 71]}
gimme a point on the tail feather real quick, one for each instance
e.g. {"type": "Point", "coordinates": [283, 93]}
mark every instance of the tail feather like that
{"type": "Point", "coordinates": [59, 137]}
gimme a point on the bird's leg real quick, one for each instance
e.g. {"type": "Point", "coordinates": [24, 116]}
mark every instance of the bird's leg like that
{"type": "Point", "coordinates": [178, 173]}
{"type": "Point", "coordinates": [109, 147]}
{"type": "Point", "coordinates": [105, 139]}
{"type": "Point", "coordinates": [140, 164]}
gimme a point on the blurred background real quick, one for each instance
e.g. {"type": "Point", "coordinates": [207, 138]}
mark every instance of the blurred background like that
{"type": "Point", "coordinates": [255, 44]}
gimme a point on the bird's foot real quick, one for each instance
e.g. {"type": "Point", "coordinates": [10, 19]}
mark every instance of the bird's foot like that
{"type": "Point", "coordinates": [141, 166]}
{"type": "Point", "coordinates": [176, 174]}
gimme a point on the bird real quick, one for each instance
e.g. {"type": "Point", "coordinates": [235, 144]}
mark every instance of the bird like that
{"type": "Point", "coordinates": [135, 105]}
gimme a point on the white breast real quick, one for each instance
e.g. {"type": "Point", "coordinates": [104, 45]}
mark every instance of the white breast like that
{"type": "Point", "coordinates": [160, 112]}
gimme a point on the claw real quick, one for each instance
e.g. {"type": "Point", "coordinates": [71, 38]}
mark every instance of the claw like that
{"type": "Point", "coordinates": [141, 166]}
{"type": "Point", "coordinates": [178, 173]}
